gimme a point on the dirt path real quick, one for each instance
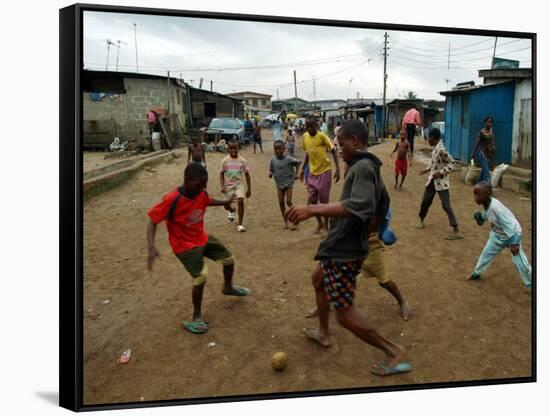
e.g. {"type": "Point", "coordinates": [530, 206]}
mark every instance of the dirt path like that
{"type": "Point", "coordinates": [459, 330]}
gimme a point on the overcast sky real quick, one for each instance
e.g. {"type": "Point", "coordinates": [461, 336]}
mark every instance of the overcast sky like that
{"type": "Point", "coordinates": [261, 57]}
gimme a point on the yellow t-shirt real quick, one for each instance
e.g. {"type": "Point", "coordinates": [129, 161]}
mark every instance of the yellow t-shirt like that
{"type": "Point", "coordinates": [316, 148]}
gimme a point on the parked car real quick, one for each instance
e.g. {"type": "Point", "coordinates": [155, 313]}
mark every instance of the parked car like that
{"type": "Point", "coordinates": [228, 128]}
{"type": "Point", "coordinates": [435, 124]}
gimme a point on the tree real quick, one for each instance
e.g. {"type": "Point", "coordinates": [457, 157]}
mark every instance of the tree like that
{"type": "Point", "coordinates": [411, 95]}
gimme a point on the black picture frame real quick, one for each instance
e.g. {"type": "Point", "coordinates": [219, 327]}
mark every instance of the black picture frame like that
{"type": "Point", "coordinates": [71, 202]}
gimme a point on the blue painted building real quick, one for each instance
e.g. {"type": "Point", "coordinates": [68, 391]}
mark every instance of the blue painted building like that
{"type": "Point", "coordinates": [506, 95]}
{"type": "Point", "coordinates": [465, 110]}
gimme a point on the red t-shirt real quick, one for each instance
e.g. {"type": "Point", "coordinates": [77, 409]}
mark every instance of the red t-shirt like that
{"type": "Point", "coordinates": [186, 229]}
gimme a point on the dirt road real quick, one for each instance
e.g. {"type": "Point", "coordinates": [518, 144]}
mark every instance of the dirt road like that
{"type": "Point", "coordinates": [458, 331]}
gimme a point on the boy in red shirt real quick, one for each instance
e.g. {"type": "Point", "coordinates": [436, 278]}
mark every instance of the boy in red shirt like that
{"type": "Point", "coordinates": [183, 209]}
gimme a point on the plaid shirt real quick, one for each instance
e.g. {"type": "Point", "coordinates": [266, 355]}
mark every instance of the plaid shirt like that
{"type": "Point", "coordinates": [442, 162]}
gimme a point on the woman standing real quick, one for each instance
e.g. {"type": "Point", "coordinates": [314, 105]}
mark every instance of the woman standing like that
{"type": "Point", "coordinates": [485, 143]}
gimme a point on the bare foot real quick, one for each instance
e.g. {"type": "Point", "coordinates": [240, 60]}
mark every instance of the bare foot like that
{"type": "Point", "coordinates": [315, 335]}
{"type": "Point", "coordinates": [318, 229]}
{"type": "Point", "coordinates": [400, 187]}
{"type": "Point", "coordinates": [405, 311]}
{"type": "Point", "coordinates": [286, 225]}
{"type": "Point", "coordinates": [312, 313]}
{"type": "Point", "coordinates": [395, 186]}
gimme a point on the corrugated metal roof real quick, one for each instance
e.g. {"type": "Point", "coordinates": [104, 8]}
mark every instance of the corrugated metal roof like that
{"type": "Point", "coordinates": [473, 88]}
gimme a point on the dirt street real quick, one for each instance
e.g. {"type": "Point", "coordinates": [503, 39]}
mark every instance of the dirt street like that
{"type": "Point", "coordinates": [458, 330]}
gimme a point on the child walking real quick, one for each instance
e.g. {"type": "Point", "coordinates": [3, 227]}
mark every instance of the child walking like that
{"type": "Point", "coordinates": [233, 168]}
{"type": "Point", "coordinates": [285, 170]}
{"type": "Point", "coordinates": [196, 152]}
{"type": "Point", "coordinates": [403, 150]}
{"type": "Point", "coordinates": [183, 210]}
{"type": "Point", "coordinates": [363, 204]}
{"type": "Point", "coordinates": [257, 136]}
{"type": "Point", "coordinates": [505, 233]}
{"type": "Point", "coordinates": [438, 183]}
{"type": "Point", "coordinates": [290, 141]}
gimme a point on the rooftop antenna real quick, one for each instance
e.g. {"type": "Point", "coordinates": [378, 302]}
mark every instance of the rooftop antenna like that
{"type": "Point", "coordinates": [118, 51]}
{"type": "Point", "coordinates": [109, 43]}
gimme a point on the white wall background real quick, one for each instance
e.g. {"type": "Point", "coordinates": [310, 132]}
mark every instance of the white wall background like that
{"type": "Point", "coordinates": [29, 208]}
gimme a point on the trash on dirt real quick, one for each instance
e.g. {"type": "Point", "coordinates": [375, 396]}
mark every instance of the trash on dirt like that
{"type": "Point", "coordinates": [211, 344]}
{"type": "Point", "coordinates": [301, 376]}
{"type": "Point", "coordinates": [125, 357]}
{"type": "Point", "coordinates": [105, 302]}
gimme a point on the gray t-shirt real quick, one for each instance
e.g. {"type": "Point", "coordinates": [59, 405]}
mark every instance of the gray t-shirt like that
{"type": "Point", "coordinates": [364, 195]}
{"type": "Point", "coordinates": [283, 171]}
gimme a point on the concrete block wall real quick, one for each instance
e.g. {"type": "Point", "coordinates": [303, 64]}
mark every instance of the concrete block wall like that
{"type": "Point", "coordinates": [129, 110]}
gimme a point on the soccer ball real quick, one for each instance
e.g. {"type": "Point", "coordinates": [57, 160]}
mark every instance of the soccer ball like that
{"type": "Point", "coordinates": [278, 361]}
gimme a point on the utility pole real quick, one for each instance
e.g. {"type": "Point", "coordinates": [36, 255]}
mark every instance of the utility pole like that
{"type": "Point", "coordinates": [314, 91]}
{"type": "Point", "coordinates": [449, 58]}
{"type": "Point", "coordinates": [168, 88]}
{"type": "Point", "coordinates": [135, 40]}
{"type": "Point", "coordinates": [385, 79]}
{"type": "Point", "coordinates": [295, 93]}
{"type": "Point", "coordinates": [211, 85]}
{"type": "Point", "coordinates": [277, 94]}
{"type": "Point", "coordinates": [494, 53]}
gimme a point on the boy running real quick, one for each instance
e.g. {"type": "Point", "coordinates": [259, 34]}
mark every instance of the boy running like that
{"type": "Point", "coordinates": [363, 204]}
{"type": "Point", "coordinates": [316, 146]}
{"type": "Point", "coordinates": [233, 168]}
{"type": "Point", "coordinates": [438, 182]}
{"type": "Point", "coordinates": [403, 150]}
{"type": "Point", "coordinates": [505, 232]}
{"type": "Point", "coordinates": [183, 210]}
{"type": "Point", "coordinates": [285, 170]}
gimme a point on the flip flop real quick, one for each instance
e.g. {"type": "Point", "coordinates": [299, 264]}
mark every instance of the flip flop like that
{"type": "Point", "coordinates": [195, 327]}
{"type": "Point", "coordinates": [241, 291]}
{"type": "Point", "coordinates": [402, 367]}
{"type": "Point", "coordinates": [419, 225]}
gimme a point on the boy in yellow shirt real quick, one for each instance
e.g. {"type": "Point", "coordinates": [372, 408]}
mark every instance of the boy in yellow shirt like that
{"type": "Point", "coordinates": [317, 145]}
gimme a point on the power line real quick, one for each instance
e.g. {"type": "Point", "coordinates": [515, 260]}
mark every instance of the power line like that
{"type": "Point", "coordinates": [490, 48]}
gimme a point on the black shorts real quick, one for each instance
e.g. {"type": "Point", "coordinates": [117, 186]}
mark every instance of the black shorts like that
{"type": "Point", "coordinates": [257, 139]}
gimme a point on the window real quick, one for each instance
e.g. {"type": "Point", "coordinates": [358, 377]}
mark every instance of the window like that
{"type": "Point", "coordinates": [254, 103]}
{"type": "Point", "coordinates": [210, 109]}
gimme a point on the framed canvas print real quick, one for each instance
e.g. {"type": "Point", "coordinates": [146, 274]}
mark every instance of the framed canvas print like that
{"type": "Point", "coordinates": [260, 207]}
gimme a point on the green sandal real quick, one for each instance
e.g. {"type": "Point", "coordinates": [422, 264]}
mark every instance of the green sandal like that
{"type": "Point", "coordinates": [195, 327]}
